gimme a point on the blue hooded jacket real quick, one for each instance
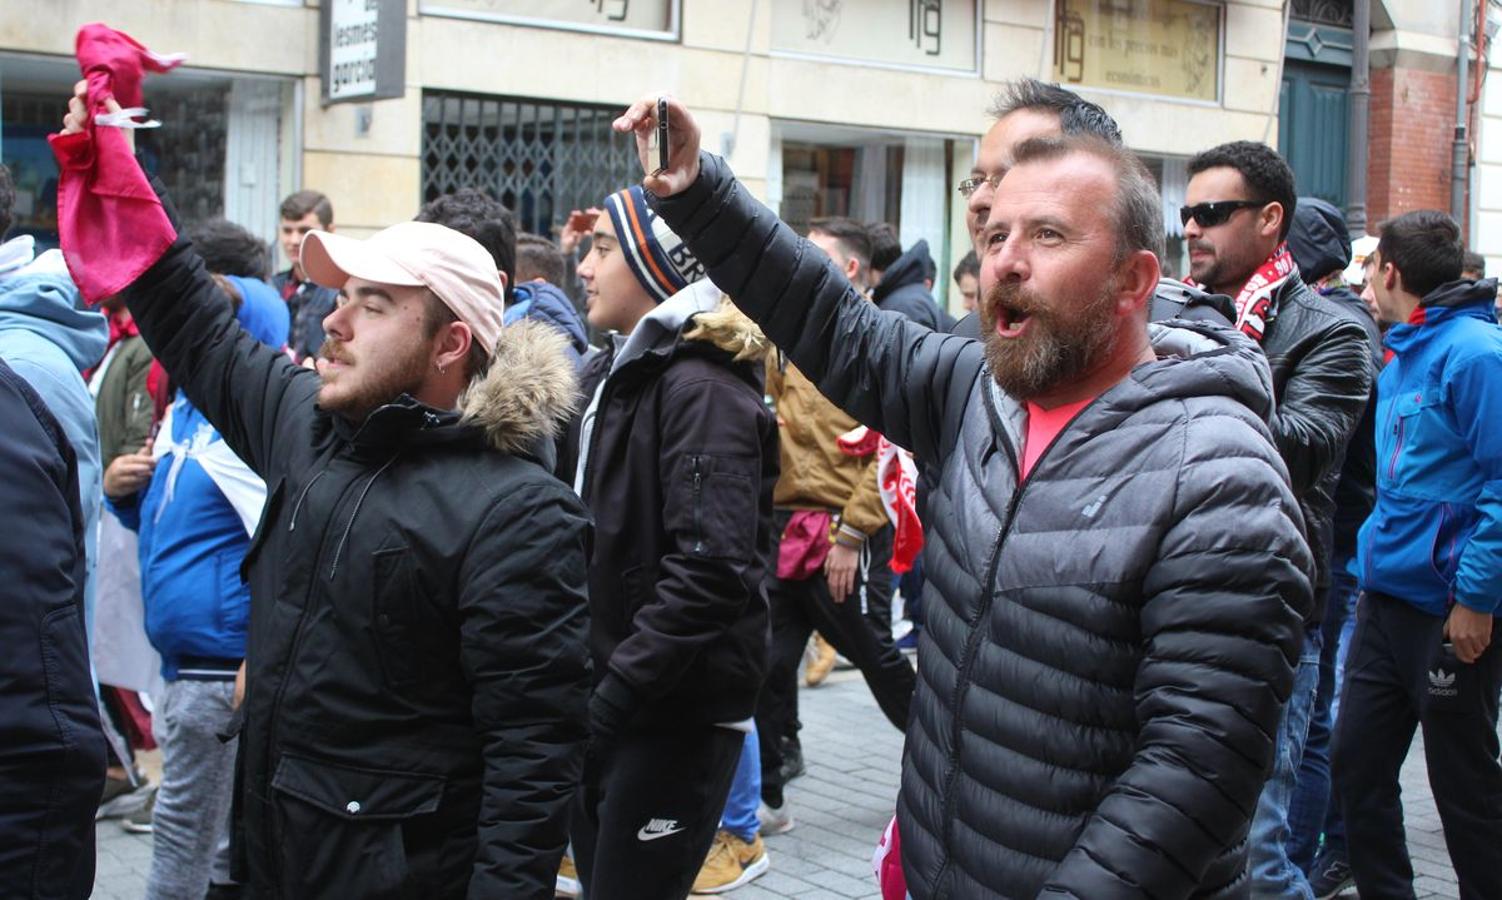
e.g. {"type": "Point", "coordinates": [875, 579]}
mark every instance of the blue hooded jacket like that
{"type": "Point", "coordinates": [191, 547]}
{"type": "Point", "coordinates": [1435, 535]}
{"type": "Point", "coordinates": [49, 337]}
{"type": "Point", "coordinates": [546, 303]}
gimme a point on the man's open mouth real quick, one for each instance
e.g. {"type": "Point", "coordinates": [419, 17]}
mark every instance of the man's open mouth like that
{"type": "Point", "coordinates": [1010, 321]}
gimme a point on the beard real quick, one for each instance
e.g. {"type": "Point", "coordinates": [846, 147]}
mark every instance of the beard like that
{"type": "Point", "coordinates": [1060, 343]}
{"type": "Point", "coordinates": [357, 390]}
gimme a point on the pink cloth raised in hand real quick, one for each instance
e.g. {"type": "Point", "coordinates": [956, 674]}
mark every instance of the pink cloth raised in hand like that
{"type": "Point", "coordinates": [110, 222]}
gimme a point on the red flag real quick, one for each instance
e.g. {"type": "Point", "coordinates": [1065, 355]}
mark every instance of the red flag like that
{"type": "Point", "coordinates": [110, 223]}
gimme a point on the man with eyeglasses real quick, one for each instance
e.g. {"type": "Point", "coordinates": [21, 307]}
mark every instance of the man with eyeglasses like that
{"type": "Point", "coordinates": [1117, 570]}
{"type": "Point", "coordinates": [1240, 204]}
{"type": "Point", "coordinates": [1028, 108]}
{"type": "Point", "coordinates": [1024, 109]}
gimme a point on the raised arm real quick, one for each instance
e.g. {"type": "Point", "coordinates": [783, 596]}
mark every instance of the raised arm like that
{"type": "Point", "coordinates": [251, 393]}
{"type": "Point", "coordinates": [899, 378]}
{"type": "Point", "coordinates": [255, 396]}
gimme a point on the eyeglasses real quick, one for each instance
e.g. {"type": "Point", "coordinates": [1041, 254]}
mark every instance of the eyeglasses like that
{"type": "Point", "coordinates": [1208, 215]}
{"type": "Point", "coordinates": [972, 184]}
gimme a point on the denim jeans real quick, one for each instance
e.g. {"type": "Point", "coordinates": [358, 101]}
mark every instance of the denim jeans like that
{"type": "Point", "coordinates": [1312, 813]}
{"type": "Point", "coordinates": [739, 817]}
{"type": "Point", "coordinates": [1272, 874]}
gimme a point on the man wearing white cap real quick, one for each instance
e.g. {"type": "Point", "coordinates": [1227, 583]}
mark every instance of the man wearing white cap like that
{"type": "Point", "coordinates": [418, 670]}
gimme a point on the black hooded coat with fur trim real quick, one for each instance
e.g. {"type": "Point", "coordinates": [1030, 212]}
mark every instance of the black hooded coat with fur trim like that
{"type": "Point", "coordinates": [418, 660]}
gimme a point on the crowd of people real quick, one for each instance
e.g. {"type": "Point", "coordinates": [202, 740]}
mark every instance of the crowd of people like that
{"type": "Point", "coordinates": [455, 586]}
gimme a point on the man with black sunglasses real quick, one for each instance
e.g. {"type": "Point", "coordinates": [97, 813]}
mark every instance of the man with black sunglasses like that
{"type": "Point", "coordinates": [1240, 204]}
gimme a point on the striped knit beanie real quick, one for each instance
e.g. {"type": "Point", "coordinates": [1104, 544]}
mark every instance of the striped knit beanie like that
{"type": "Point", "coordinates": [656, 255]}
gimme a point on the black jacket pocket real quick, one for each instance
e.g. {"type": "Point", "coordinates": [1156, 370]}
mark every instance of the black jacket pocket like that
{"type": "Point", "coordinates": [357, 793]}
{"type": "Point", "coordinates": [341, 828]}
{"type": "Point", "coordinates": [392, 615]}
{"type": "Point", "coordinates": [714, 506]}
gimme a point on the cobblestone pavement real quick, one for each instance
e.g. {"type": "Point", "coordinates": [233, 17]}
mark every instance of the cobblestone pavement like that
{"type": "Point", "coordinates": [840, 807]}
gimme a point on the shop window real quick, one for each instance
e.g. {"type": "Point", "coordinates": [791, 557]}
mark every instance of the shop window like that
{"type": "Point", "coordinates": [187, 153]}
{"type": "Point", "coordinates": [211, 125]}
{"type": "Point", "coordinates": [540, 159]}
{"type": "Point", "coordinates": [817, 183]}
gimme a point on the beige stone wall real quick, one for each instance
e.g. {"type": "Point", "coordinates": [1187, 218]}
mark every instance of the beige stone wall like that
{"type": "Point", "coordinates": [375, 177]}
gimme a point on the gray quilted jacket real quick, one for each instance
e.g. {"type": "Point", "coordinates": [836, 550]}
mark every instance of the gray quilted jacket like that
{"type": "Point", "coordinates": [1108, 645]}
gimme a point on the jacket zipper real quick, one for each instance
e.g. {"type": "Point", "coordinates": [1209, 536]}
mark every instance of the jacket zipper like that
{"type": "Point", "coordinates": [590, 454]}
{"type": "Point", "coordinates": [972, 642]}
{"type": "Point", "coordinates": [698, 462]}
{"type": "Point", "coordinates": [1392, 463]}
{"type": "Point", "coordinates": [297, 638]}
{"type": "Point", "coordinates": [303, 496]}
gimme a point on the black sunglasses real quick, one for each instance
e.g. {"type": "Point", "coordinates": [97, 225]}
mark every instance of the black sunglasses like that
{"type": "Point", "coordinates": [1211, 214]}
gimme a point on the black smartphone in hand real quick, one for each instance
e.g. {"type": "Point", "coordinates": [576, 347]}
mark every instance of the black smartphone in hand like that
{"type": "Point", "coordinates": [662, 135]}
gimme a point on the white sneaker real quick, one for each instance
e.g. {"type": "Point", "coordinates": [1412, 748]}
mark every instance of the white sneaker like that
{"type": "Point", "coordinates": [775, 820]}
{"type": "Point", "coordinates": [121, 799]}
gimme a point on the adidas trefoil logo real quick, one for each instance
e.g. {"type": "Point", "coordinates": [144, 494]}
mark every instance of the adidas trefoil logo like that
{"type": "Point", "coordinates": [1442, 683]}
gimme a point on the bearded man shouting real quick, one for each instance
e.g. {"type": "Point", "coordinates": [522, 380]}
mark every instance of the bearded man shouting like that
{"type": "Point", "coordinates": [1117, 567]}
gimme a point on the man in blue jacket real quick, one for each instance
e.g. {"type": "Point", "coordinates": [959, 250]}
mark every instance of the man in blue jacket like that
{"type": "Point", "coordinates": [195, 519]}
{"type": "Point", "coordinates": [1430, 560]}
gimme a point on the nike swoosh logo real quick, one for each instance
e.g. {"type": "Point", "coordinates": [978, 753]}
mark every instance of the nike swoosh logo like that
{"type": "Point", "coordinates": [643, 834]}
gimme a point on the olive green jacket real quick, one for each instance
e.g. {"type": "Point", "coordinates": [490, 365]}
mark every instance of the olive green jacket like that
{"type": "Point", "coordinates": [123, 404]}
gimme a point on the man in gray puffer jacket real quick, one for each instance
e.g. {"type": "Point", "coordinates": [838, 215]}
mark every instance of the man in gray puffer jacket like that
{"type": "Point", "coordinates": [1112, 632]}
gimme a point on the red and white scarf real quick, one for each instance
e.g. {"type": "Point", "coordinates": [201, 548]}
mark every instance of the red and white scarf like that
{"type": "Point", "coordinates": [897, 480]}
{"type": "Point", "coordinates": [1257, 304]}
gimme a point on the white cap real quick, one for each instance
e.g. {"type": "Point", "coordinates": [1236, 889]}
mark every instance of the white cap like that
{"type": "Point", "coordinates": [1361, 248]}
{"type": "Point", "coordinates": [416, 254]}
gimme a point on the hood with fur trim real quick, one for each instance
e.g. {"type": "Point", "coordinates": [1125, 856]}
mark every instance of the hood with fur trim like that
{"type": "Point", "coordinates": [731, 330]}
{"type": "Point", "coordinates": [528, 394]}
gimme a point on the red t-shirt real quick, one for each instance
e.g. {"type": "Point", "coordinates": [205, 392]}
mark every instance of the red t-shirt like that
{"type": "Point", "coordinates": [1043, 425]}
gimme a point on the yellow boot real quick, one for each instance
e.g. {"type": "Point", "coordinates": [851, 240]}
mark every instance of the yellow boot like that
{"type": "Point", "coordinates": [821, 663]}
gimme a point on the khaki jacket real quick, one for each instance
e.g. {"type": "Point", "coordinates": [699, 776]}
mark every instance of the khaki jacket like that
{"type": "Point", "coordinates": [816, 474]}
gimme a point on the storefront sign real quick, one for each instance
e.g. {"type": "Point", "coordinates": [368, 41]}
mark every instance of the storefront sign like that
{"type": "Point", "coordinates": [928, 34]}
{"type": "Point", "coordinates": [363, 55]}
{"type": "Point", "coordinates": [632, 18]}
{"type": "Point", "coordinates": [1166, 47]}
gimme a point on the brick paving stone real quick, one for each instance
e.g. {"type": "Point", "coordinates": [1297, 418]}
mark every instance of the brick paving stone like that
{"type": "Point", "coordinates": [841, 807]}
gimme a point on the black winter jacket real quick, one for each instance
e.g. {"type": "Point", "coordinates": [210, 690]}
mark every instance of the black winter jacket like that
{"type": "Point", "coordinates": [51, 748]}
{"type": "Point", "coordinates": [1108, 647]}
{"type": "Point", "coordinates": [1321, 361]}
{"type": "Point", "coordinates": [417, 656]}
{"type": "Point", "coordinates": [1356, 491]}
{"type": "Point", "coordinates": [902, 289]}
{"type": "Point", "coordinates": [681, 462]}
